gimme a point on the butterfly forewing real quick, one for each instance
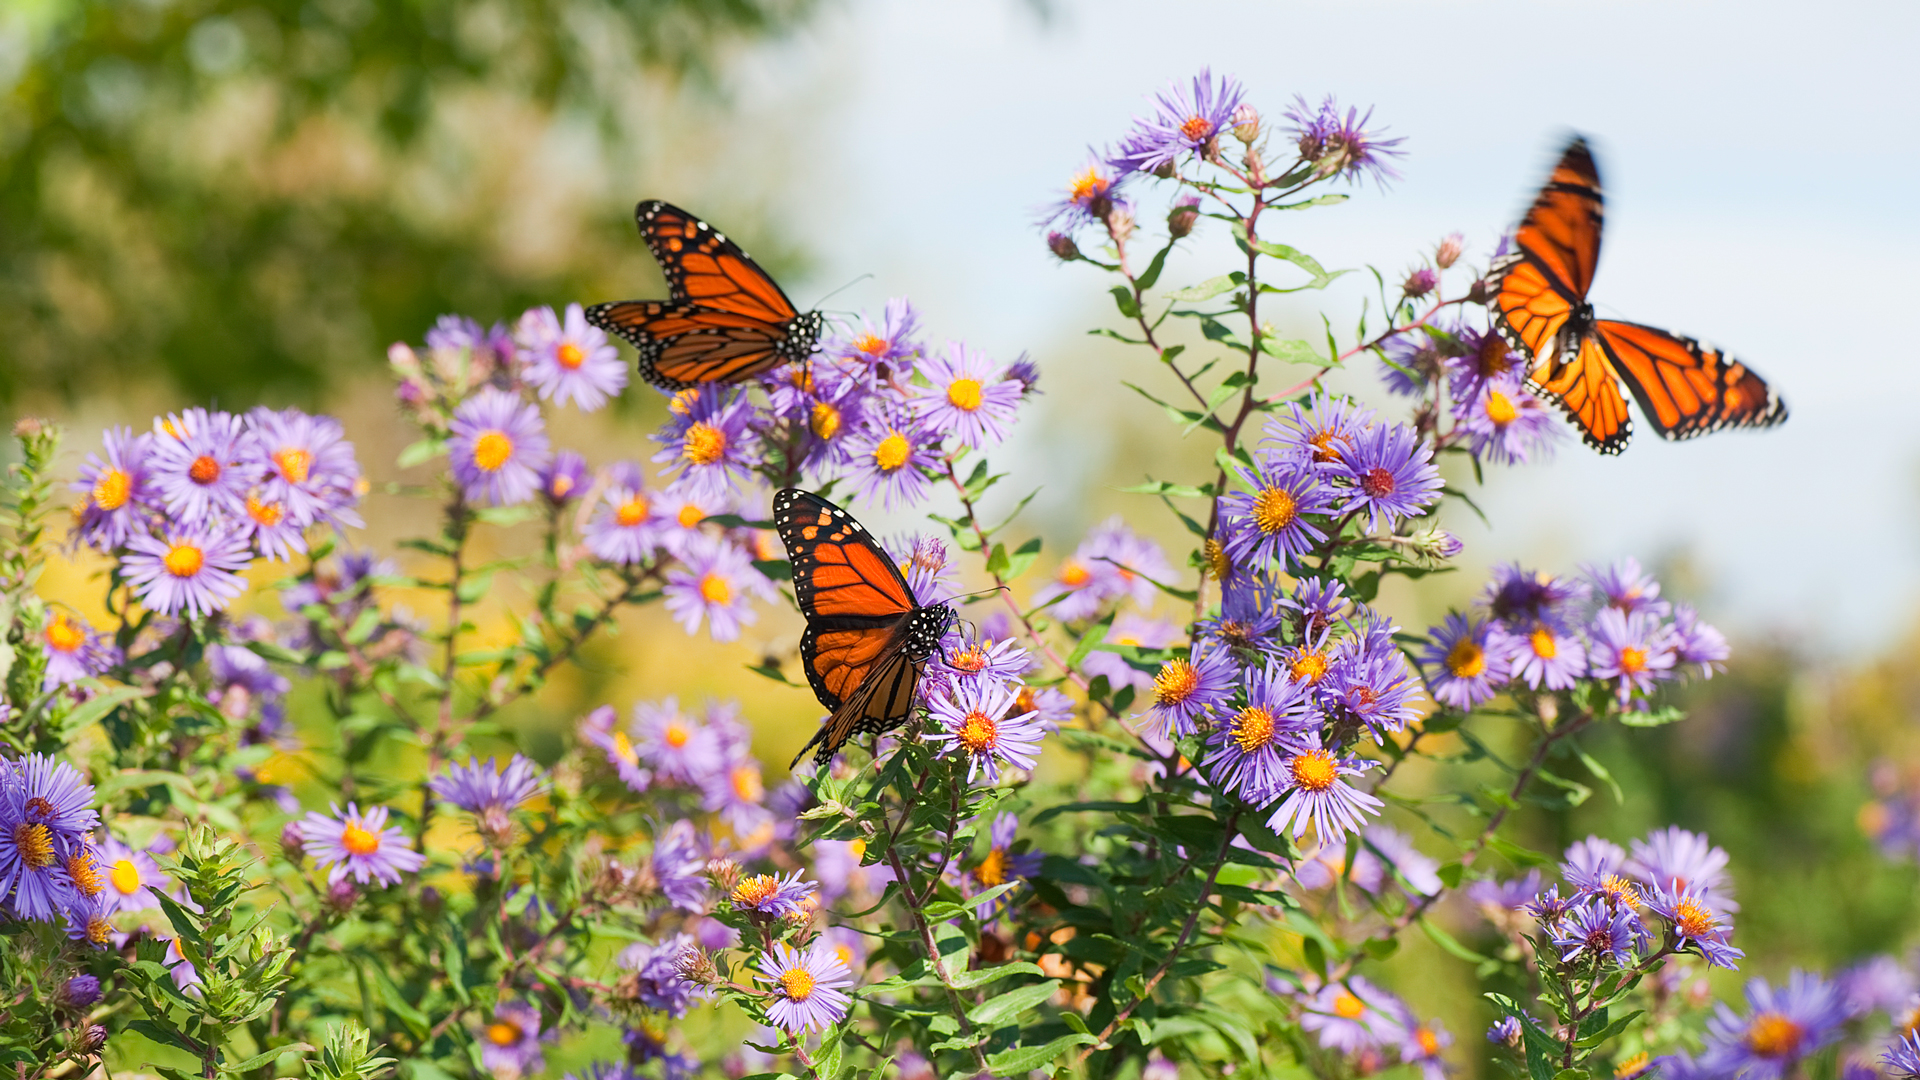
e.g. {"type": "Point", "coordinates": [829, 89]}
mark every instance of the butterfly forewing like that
{"type": "Point", "coordinates": [704, 267]}
{"type": "Point", "coordinates": [1685, 388]}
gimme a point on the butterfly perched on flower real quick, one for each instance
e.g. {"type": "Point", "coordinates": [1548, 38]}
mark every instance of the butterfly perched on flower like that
{"type": "Point", "coordinates": [724, 320]}
{"type": "Point", "coordinates": [1578, 361]}
{"type": "Point", "coordinates": [867, 635]}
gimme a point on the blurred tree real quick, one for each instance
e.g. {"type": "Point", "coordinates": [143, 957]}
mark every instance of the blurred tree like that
{"type": "Point", "coordinates": [246, 197]}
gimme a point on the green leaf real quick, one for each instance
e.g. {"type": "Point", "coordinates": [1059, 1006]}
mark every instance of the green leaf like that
{"type": "Point", "coordinates": [1021, 1059]}
{"type": "Point", "coordinates": [1209, 288]}
{"type": "Point", "coordinates": [1601, 774]}
{"type": "Point", "coordinates": [1300, 259]}
{"type": "Point", "coordinates": [978, 977]}
{"type": "Point", "coordinates": [258, 1060]}
{"type": "Point", "coordinates": [97, 708]}
{"type": "Point", "coordinates": [1448, 942]}
{"type": "Point", "coordinates": [1657, 718]}
{"type": "Point", "coordinates": [1008, 567]}
{"type": "Point", "coordinates": [1162, 487]}
{"type": "Point", "coordinates": [1012, 1003]}
{"type": "Point", "coordinates": [1318, 200]}
{"type": "Point", "coordinates": [422, 452]}
{"type": "Point", "coordinates": [1295, 351]}
{"type": "Point", "coordinates": [1608, 1032]}
{"type": "Point", "coordinates": [1152, 274]}
{"type": "Point", "coordinates": [1541, 1048]}
{"type": "Point", "coordinates": [1123, 299]}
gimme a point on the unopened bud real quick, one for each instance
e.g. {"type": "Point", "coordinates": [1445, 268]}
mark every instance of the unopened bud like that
{"type": "Point", "coordinates": [341, 895]}
{"type": "Point", "coordinates": [90, 1039]}
{"type": "Point", "coordinates": [1183, 216]}
{"type": "Point", "coordinates": [1435, 543]}
{"type": "Point", "coordinates": [1164, 170]}
{"type": "Point", "coordinates": [1256, 167]}
{"type": "Point", "coordinates": [1246, 122]}
{"type": "Point", "coordinates": [1120, 224]}
{"type": "Point", "coordinates": [79, 992]}
{"type": "Point", "coordinates": [1448, 253]}
{"type": "Point", "coordinates": [724, 873]}
{"type": "Point", "coordinates": [28, 427]}
{"type": "Point", "coordinates": [1063, 246]}
{"type": "Point", "coordinates": [1420, 282]}
{"type": "Point", "coordinates": [293, 843]}
{"type": "Point", "coordinates": [696, 967]}
{"type": "Point", "coordinates": [1477, 292]}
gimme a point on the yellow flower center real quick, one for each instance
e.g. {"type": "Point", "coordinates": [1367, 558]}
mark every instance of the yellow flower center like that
{"type": "Point", "coordinates": [1429, 1042]}
{"type": "Point", "coordinates": [1073, 575]}
{"type": "Point", "coordinates": [560, 485]}
{"type": "Point", "coordinates": [35, 843]}
{"type": "Point", "coordinates": [1631, 1066]}
{"type": "Point", "coordinates": [204, 470]}
{"type": "Point", "coordinates": [706, 444]}
{"type": "Point", "coordinates": [755, 889]}
{"type": "Point", "coordinates": [1693, 918]}
{"type": "Point", "coordinates": [746, 783]}
{"type": "Point", "coordinates": [1086, 186]}
{"type": "Point", "coordinates": [293, 463]}
{"type": "Point", "coordinates": [268, 514]}
{"type": "Point", "coordinates": [857, 848]}
{"type": "Point", "coordinates": [796, 983]}
{"type": "Point", "coordinates": [824, 421]}
{"type": "Point", "coordinates": [1175, 684]}
{"type": "Point", "coordinates": [632, 512]}
{"type": "Point", "coordinates": [964, 394]}
{"type": "Point", "coordinates": [979, 732]}
{"type": "Point", "coordinates": [1323, 447]}
{"type": "Point", "coordinates": [1253, 728]}
{"type": "Point", "coordinates": [1466, 659]}
{"type": "Point", "coordinates": [111, 489]}
{"type": "Point", "coordinates": [1308, 667]}
{"type": "Point", "coordinates": [571, 356]}
{"type": "Point", "coordinates": [682, 401]}
{"type": "Point", "coordinates": [870, 344]}
{"type": "Point", "coordinates": [1197, 128]}
{"type": "Point", "coordinates": [1773, 1035]}
{"type": "Point", "coordinates": [125, 877]}
{"type": "Point", "coordinates": [184, 560]}
{"type": "Point", "coordinates": [1348, 1007]}
{"type": "Point", "coordinates": [893, 452]}
{"type": "Point", "coordinates": [502, 1033]}
{"type": "Point", "coordinates": [1217, 562]}
{"type": "Point", "coordinates": [491, 450]}
{"type": "Point", "coordinates": [1544, 645]}
{"type": "Point", "coordinates": [358, 840]}
{"type": "Point", "coordinates": [86, 876]}
{"type": "Point", "coordinates": [1633, 661]}
{"type": "Point", "coordinates": [1500, 409]}
{"type": "Point", "coordinates": [1315, 770]}
{"type": "Point", "coordinates": [715, 589]}
{"type": "Point", "coordinates": [972, 660]}
{"type": "Point", "coordinates": [992, 869]}
{"type": "Point", "coordinates": [623, 748]}
{"type": "Point", "coordinates": [1274, 509]}
{"type": "Point", "coordinates": [99, 930]}
{"type": "Point", "coordinates": [65, 635]}
{"type": "Point", "coordinates": [691, 515]}
{"type": "Point", "coordinates": [1621, 890]}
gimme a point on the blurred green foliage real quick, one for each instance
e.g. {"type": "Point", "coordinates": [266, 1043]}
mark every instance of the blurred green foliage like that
{"type": "Point", "coordinates": [249, 197]}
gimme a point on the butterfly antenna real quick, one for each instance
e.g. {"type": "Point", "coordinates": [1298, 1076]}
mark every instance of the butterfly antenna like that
{"type": "Point", "coordinates": [972, 596]}
{"type": "Point", "coordinates": [840, 290]}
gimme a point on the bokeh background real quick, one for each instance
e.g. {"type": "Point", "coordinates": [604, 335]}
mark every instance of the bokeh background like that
{"type": "Point", "coordinates": [240, 202]}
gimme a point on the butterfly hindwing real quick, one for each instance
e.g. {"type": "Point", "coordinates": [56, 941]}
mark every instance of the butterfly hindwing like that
{"type": "Point", "coordinates": [1588, 392]}
{"type": "Point", "coordinates": [1685, 388]}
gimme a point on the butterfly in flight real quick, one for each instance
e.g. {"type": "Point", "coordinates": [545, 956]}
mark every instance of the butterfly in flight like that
{"type": "Point", "coordinates": [867, 635]}
{"type": "Point", "coordinates": [1578, 361]}
{"type": "Point", "coordinates": [724, 320]}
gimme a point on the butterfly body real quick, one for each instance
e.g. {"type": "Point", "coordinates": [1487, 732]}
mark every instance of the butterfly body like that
{"type": "Point", "coordinates": [1579, 361]}
{"type": "Point", "coordinates": [867, 635]}
{"type": "Point", "coordinates": [724, 320]}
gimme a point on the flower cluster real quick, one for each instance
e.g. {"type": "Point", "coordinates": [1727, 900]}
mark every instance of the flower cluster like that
{"type": "Point", "coordinates": [1497, 417]}
{"type": "Point", "coordinates": [51, 869]}
{"type": "Point", "coordinates": [1369, 1026]}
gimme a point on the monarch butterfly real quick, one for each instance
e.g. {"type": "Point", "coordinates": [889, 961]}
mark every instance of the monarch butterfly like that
{"type": "Point", "coordinates": [724, 319]}
{"type": "Point", "coordinates": [867, 635]}
{"type": "Point", "coordinates": [1539, 298]}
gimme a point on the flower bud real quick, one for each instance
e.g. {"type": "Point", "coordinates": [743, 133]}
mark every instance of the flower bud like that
{"type": "Point", "coordinates": [1477, 292]}
{"type": "Point", "coordinates": [724, 873]}
{"type": "Point", "coordinates": [1120, 224]}
{"type": "Point", "coordinates": [90, 1039]}
{"type": "Point", "coordinates": [1420, 282]}
{"type": "Point", "coordinates": [1183, 216]}
{"type": "Point", "coordinates": [1063, 246]}
{"type": "Point", "coordinates": [1449, 250]}
{"type": "Point", "coordinates": [404, 361]}
{"type": "Point", "coordinates": [79, 992]}
{"type": "Point", "coordinates": [1246, 122]}
{"type": "Point", "coordinates": [1256, 167]}
{"type": "Point", "coordinates": [293, 843]}
{"type": "Point", "coordinates": [1436, 543]}
{"type": "Point", "coordinates": [341, 896]}
{"type": "Point", "coordinates": [1164, 170]}
{"type": "Point", "coordinates": [696, 967]}
{"type": "Point", "coordinates": [28, 427]}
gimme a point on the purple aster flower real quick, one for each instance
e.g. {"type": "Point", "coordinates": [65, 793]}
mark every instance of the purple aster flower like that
{"type": "Point", "coordinates": [1549, 908]}
{"type": "Point", "coordinates": [1269, 521]}
{"type": "Point", "coordinates": [1133, 630]}
{"type": "Point", "coordinates": [360, 845]}
{"type": "Point", "coordinates": [1000, 865]}
{"type": "Point", "coordinates": [131, 876]}
{"type": "Point", "coordinates": [1089, 199]}
{"type": "Point", "coordinates": [1590, 862]}
{"type": "Point", "coordinates": [80, 992]}
{"type": "Point", "coordinates": [974, 656]}
{"type": "Point", "coordinates": [976, 721]}
{"type": "Point", "coordinates": [1505, 1031]}
{"type": "Point", "coordinates": [309, 466]}
{"type": "Point", "coordinates": [1354, 1016]}
{"type": "Point", "coordinates": [680, 866]}
{"type": "Point", "coordinates": [1249, 745]}
{"type": "Point", "coordinates": [1250, 615]}
{"type": "Point", "coordinates": [1183, 120]}
{"type": "Point", "coordinates": [1783, 1027]}
{"type": "Point", "coordinates": [1051, 707]}
{"type": "Point", "coordinates": [564, 478]}
{"type": "Point", "coordinates": [510, 1046]}
{"type": "Point", "coordinates": [1423, 1046]}
{"type": "Point", "coordinates": [1877, 984]}
{"type": "Point", "coordinates": [1694, 642]}
{"type": "Point", "coordinates": [680, 749]}
{"type": "Point", "coordinates": [192, 570]}
{"type": "Point", "coordinates": [1627, 589]}
{"type": "Point", "coordinates": [834, 409]}
{"type": "Point", "coordinates": [1597, 931]}
{"type": "Point", "coordinates": [1414, 361]}
{"type": "Point", "coordinates": [1464, 669]}
{"type": "Point", "coordinates": [460, 332]}
{"type": "Point", "coordinates": [709, 446]}
{"type": "Point", "coordinates": [1694, 922]}
{"type": "Point", "coordinates": [771, 894]}
{"type": "Point", "coordinates": [33, 876]}
{"type": "Point", "coordinates": [1320, 432]}
{"type": "Point", "coordinates": [1372, 686]}
{"type": "Point", "coordinates": [1318, 604]}
{"type": "Point", "coordinates": [1112, 562]}
{"type": "Point", "coordinates": [272, 529]}
{"type": "Point", "coordinates": [1420, 873]}
{"type": "Point", "coordinates": [1478, 356]}
{"type": "Point", "coordinates": [809, 987]}
{"type": "Point", "coordinates": [715, 584]}
{"type": "Point", "coordinates": [838, 864]}
{"type": "Point", "coordinates": [52, 793]}
{"type": "Point", "coordinates": [75, 650]}
{"type": "Point", "coordinates": [888, 459]}
{"type": "Point", "coordinates": [1188, 689]}
{"type": "Point", "coordinates": [1025, 371]}
{"type": "Point", "coordinates": [601, 728]}
{"type": "Point", "coordinates": [1508, 424]}
{"type": "Point", "coordinates": [88, 920]}
{"type": "Point", "coordinates": [488, 791]}
{"type": "Point", "coordinates": [738, 794]}
{"type": "Point", "coordinates": [1542, 654]}
{"type": "Point", "coordinates": [1636, 650]}
{"type": "Point", "coordinates": [656, 969]}
{"type": "Point", "coordinates": [881, 350]}
{"type": "Point", "coordinates": [1341, 146]}
{"type": "Point", "coordinates": [1522, 597]}
{"type": "Point", "coordinates": [1903, 1059]}
{"type": "Point", "coordinates": [924, 562]}
{"type": "Point", "coordinates": [1511, 895]}
{"type": "Point", "coordinates": [498, 446]}
{"type": "Point", "coordinates": [568, 360]}
{"type": "Point", "coordinates": [202, 463]}
{"type": "Point", "coordinates": [682, 513]}
{"type": "Point", "coordinates": [1392, 474]}
{"type": "Point", "coordinates": [1675, 858]}
{"type": "Point", "coordinates": [967, 396]}
{"type": "Point", "coordinates": [120, 490]}
{"type": "Point", "coordinates": [1317, 795]}
{"type": "Point", "coordinates": [628, 527]}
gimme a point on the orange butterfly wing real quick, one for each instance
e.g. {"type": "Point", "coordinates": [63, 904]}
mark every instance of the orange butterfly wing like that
{"type": "Point", "coordinates": [1588, 390]}
{"type": "Point", "coordinates": [1685, 388]}
{"type": "Point", "coordinates": [704, 267]}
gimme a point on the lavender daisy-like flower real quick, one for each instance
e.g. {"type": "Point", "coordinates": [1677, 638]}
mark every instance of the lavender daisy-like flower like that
{"type": "Point", "coordinates": [1626, 588]}
{"type": "Point", "coordinates": [498, 447]}
{"type": "Point", "coordinates": [1392, 474]}
{"type": "Point", "coordinates": [272, 529]}
{"type": "Point", "coordinates": [1110, 563]}
{"type": "Point", "coordinates": [715, 585]}
{"type": "Point", "coordinates": [1504, 1032]}
{"type": "Point", "coordinates": [1477, 358]}
{"type": "Point", "coordinates": [887, 461]}
{"type": "Point", "coordinates": [967, 397]}
{"type": "Point", "coordinates": [564, 478]}
{"type": "Point", "coordinates": [1634, 650]}
{"type": "Point", "coordinates": [31, 868]}
{"type": "Point", "coordinates": [1511, 895]}
{"type": "Point", "coordinates": [1183, 120]}
{"type": "Point", "coordinates": [1541, 654]}
{"type": "Point", "coordinates": [119, 489]}
{"type": "Point", "coordinates": [488, 789]}
{"type": "Point", "coordinates": [1783, 1026]}
{"type": "Point", "coordinates": [1521, 597]}
{"type": "Point", "coordinates": [1371, 685]}
{"type": "Point", "coordinates": [628, 527]}
{"type": "Point", "coordinates": [1508, 424]}
{"type": "Point", "coordinates": [1000, 865]}
{"type": "Point", "coordinates": [1694, 642]}
{"type": "Point", "coordinates": [131, 876]}
{"type": "Point", "coordinates": [570, 359]}
{"type": "Point", "coordinates": [1423, 1046]}
{"type": "Point", "coordinates": [1321, 431]}
{"type": "Point", "coordinates": [510, 1045]}
{"type": "Point", "coordinates": [974, 656]}
{"type": "Point", "coordinates": [1877, 984]}
{"type": "Point", "coordinates": [1695, 923]}
{"type": "Point", "coordinates": [192, 570]}
{"type": "Point", "coordinates": [1675, 858]}
{"type": "Point", "coordinates": [1413, 362]}
{"type": "Point", "coordinates": [1354, 1016]}
{"type": "Point", "coordinates": [1597, 931]}
{"type": "Point", "coordinates": [1248, 744]}
{"type": "Point", "coordinates": [709, 447]}
{"type": "Point", "coordinates": [680, 749]}
{"type": "Point", "coordinates": [359, 845]}
{"type": "Point", "coordinates": [1341, 145]}
{"type": "Point", "coordinates": [738, 794]}
{"type": "Point", "coordinates": [460, 332]}
{"type": "Point", "coordinates": [771, 894]}
{"type": "Point", "coordinates": [601, 727]}
{"type": "Point", "coordinates": [880, 349]}
{"type": "Point", "coordinates": [309, 467]}
{"type": "Point", "coordinates": [679, 864]}
{"type": "Point", "coordinates": [976, 720]}
{"type": "Point", "coordinates": [835, 409]}
{"type": "Point", "coordinates": [924, 562]}
{"type": "Point", "coordinates": [1463, 667]}
{"type": "Point", "coordinates": [656, 975]}
{"type": "Point", "coordinates": [201, 462]}
{"type": "Point", "coordinates": [89, 922]}
{"type": "Point", "coordinates": [1269, 522]}
{"type": "Point", "coordinates": [809, 987]}
{"type": "Point", "coordinates": [1903, 1058]}
{"type": "Point", "coordinates": [839, 863]}
{"type": "Point", "coordinates": [1187, 689]}
{"type": "Point", "coordinates": [1135, 630]}
{"type": "Point", "coordinates": [75, 650]}
{"type": "Point", "coordinates": [1317, 795]}
{"type": "Point", "coordinates": [1317, 604]}
{"type": "Point", "coordinates": [1550, 908]}
{"type": "Point", "coordinates": [1419, 872]}
{"type": "Point", "coordinates": [1251, 615]}
{"type": "Point", "coordinates": [1089, 198]}
{"type": "Point", "coordinates": [1590, 862]}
